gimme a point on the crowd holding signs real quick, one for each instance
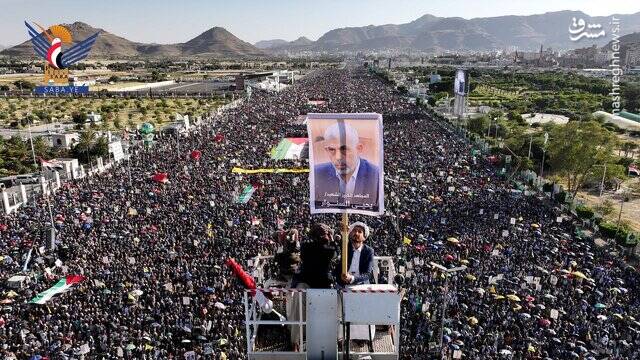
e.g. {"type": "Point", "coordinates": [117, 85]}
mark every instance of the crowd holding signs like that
{"type": "Point", "coordinates": [142, 260]}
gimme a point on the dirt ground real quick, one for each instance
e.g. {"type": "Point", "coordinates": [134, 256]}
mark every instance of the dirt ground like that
{"type": "Point", "coordinates": [630, 209]}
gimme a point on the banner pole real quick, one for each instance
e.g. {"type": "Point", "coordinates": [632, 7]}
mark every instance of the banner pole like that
{"type": "Point", "coordinates": [345, 241]}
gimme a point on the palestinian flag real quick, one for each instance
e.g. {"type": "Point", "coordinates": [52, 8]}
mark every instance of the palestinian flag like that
{"type": "Point", "coordinates": [289, 148]}
{"type": "Point", "coordinates": [246, 194]}
{"type": "Point", "coordinates": [51, 164]}
{"type": "Point", "coordinates": [61, 286]}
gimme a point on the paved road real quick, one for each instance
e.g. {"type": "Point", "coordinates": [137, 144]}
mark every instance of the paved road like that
{"type": "Point", "coordinates": [193, 87]}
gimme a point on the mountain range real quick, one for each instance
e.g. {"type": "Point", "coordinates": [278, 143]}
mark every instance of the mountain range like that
{"type": "Point", "coordinates": [279, 44]}
{"type": "Point", "coordinates": [215, 42]}
{"type": "Point", "coordinates": [436, 34]}
{"type": "Point", "coordinates": [428, 33]}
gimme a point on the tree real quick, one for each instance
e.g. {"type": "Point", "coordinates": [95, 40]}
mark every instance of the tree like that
{"type": "Point", "coordinates": [16, 156]}
{"type": "Point", "coordinates": [628, 147]}
{"type": "Point", "coordinates": [478, 125]}
{"type": "Point", "coordinates": [635, 188]}
{"type": "Point", "coordinates": [605, 208]}
{"type": "Point", "coordinates": [575, 148]}
{"type": "Point", "coordinates": [615, 174]}
{"type": "Point", "coordinates": [100, 147]}
{"type": "Point", "coordinates": [24, 85]}
{"type": "Point", "coordinates": [516, 117]}
{"type": "Point", "coordinates": [631, 96]}
{"type": "Point", "coordinates": [83, 148]}
{"type": "Point", "coordinates": [79, 117]}
{"type": "Point", "coordinates": [41, 147]}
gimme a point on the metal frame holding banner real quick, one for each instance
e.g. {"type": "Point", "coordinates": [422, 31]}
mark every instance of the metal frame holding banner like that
{"type": "Point", "coordinates": [346, 162]}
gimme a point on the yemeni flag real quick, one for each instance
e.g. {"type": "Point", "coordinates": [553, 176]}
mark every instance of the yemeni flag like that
{"type": "Point", "coordinates": [289, 148]}
{"type": "Point", "coordinates": [51, 164]}
{"type": "Point", "coordinates": [633, 170]}
{"type": "Point", "coordinates": [61, 286]}
{"type": "Point", "coordinates": [246, 194]}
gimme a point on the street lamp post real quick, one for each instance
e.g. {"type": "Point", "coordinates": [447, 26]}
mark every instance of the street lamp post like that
{"type": "Point", "coordinates": [544, 152]}
{"type": "Point", "coordinates": [33, 152]}
{"type": "Point", "coordinates": [622, 200]}
{"type": "Point", "coordinates": [446, 272]}
{"type": "Point", "coordinates": [604, 173]}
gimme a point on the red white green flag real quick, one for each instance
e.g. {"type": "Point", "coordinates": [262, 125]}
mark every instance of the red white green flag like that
{"type": "Point", "coordinates": [289, 148]}
{"type": "Point", "coordinates": [61, 286]}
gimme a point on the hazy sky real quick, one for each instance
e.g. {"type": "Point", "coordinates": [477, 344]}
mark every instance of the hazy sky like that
{"type": "Point", "coordinates": [171, 21]}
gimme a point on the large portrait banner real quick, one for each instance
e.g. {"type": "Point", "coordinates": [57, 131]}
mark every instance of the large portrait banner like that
{"type": "Point", "coordinates": [346, 163]}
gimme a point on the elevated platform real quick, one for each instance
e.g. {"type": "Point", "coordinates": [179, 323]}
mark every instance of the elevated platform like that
{"type": "Point", "coordinates": [361, 321]}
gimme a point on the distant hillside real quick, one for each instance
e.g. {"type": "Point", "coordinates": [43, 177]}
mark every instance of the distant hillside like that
{"type": "Point", "coordinates": [428, 33]}
{"type": "Point", "coordinates": [626, 40]}
{"type": "Point", "coordinates": [218, 42]}
{"type": "Point", "coordinates": [432, 33]}
{"type": "Point", "coordinates": [301, 41]}
{"type": "Point", "coordinates": [267, 44]}
{"type": "Point", "coordinates": [215, 42]}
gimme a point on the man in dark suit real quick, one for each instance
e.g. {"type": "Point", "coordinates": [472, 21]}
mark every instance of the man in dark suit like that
{"type": "Point", "coordinates": [318, 259]}
{"type": "Point", "coordinates": [360, 261]}
{"type": "Point", "coordinates": [348, 179]}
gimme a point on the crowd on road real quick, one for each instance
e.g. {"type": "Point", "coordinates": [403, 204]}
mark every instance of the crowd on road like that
{"type": "Point", "coordinates": [152, 254]}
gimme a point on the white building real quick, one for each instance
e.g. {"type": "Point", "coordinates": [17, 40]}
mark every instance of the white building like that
{"type": "Point", "coordinates": [418, 90]}
{"type": "Point", "coordinates": [70, 169]}
{"type": "Point", "coordinates": [94, 118]}
{"type": "Point", "coordinates": [75, 81]}
{"type": "Point", "coordinates": [66, 141]}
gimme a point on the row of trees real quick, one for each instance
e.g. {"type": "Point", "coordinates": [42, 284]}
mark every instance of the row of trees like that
{"type": "Point", "coordinates": [556, 92]}
{"type": "Point", "coordinates": [577, 152]}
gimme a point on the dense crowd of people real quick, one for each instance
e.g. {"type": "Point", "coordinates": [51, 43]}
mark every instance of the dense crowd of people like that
{"type": "Point", "coordinates": [153, 254]}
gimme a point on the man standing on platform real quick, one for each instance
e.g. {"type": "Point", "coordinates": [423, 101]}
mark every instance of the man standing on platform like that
{"type": "Point", "coordinates": [360, 261]}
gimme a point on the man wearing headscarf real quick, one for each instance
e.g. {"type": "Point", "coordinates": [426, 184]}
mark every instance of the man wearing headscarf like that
{"type": "Point", "coordinates": [360, 261]}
